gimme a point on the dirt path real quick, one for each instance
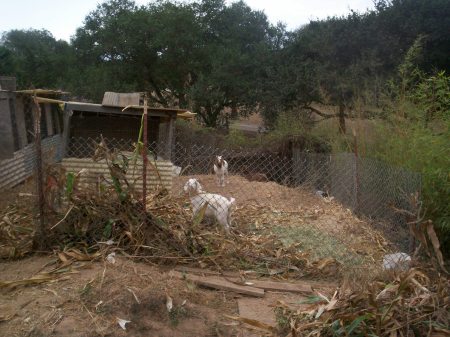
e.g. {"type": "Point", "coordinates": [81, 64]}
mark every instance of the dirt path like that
{"type": "Point", "coordinates": [88, 302]}
{"type": "Point", "coordinates": [87, 299]}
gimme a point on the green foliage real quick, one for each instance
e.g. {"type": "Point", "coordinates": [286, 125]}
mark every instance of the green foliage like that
{"type": "Point", "coordinates": [432, 97]}
{"type": "Point", "coordinates": [35, 58]}
{"type": "Point", "coordinates": [70, 181]}
{"type": "Point", "coordinates": [176, 314]}
{"type": "Point", "coordinates": [419, 139]}
{"type": "Point", "coordinates": [237, 139]}
{"type": "Point", "coordinates": [204, 54]}
{"type": "Point", "coordinates": [351, 329]}
{"type": "Point", "coordinates": [107, 230]}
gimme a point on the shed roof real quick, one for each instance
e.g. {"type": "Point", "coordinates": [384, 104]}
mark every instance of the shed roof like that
{"type": "Point", "coordinates": [42, 92]}
{"type": "Point", "coordinates": [132, 110]}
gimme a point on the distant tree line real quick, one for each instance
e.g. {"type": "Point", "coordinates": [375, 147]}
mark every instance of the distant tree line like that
{"type": "Point", "coordinates": [212, 57]}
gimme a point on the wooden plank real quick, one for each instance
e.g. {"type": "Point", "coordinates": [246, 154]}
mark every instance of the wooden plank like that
{"type": "Point", "coordinates": [282, 286]}
{"type": "Point", "coordinates": [218, 283]}
{"type": "Point", "coordinates": [257, 309]}
{"type": "Point", "coordinates": [98, 108]}
{"type": "Point", "coordinates": [205, 272]}
{"type": "Point", "coordinates": [169, 143]}
{"type": "Point", "coordinates": [297, 287]}
{"type": "Point", "coordinates": [48, 119]}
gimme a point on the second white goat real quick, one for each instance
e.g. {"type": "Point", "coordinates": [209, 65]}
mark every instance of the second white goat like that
{"type": "Point", "coordinates": [218, 207]}
{"type": "Point", "coordinates": [221, 170]}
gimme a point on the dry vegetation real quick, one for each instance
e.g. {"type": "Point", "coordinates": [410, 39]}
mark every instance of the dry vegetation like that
{"type": "Point", "coordinates": [278, 233]}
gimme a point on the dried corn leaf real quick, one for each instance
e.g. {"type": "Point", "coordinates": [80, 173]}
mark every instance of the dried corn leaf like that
{"type": "Point", "coordinates": [37, 279]}
{"type": "Point", "coordinates": [6, 317]}
{"type": "Point", "coordinates": [436, 246]}
{"type": "Point", "coordinates": [253, 322]}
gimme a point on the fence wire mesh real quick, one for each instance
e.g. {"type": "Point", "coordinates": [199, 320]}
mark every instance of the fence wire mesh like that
{"type": "Point", "coordinates": [366, 186]}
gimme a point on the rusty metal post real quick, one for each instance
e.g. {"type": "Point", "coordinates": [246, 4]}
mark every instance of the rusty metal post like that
{"type": "Point", "coordinates": [144, 159]}
{"type": "Point", "coordinates": [39, 240]}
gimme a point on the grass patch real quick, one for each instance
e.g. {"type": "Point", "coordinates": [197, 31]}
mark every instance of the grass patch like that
{"type": "Point", "coordinates": [318, 243]}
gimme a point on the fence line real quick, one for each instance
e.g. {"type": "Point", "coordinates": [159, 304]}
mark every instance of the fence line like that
{"type": "Point", "coordinates": [366, 186]}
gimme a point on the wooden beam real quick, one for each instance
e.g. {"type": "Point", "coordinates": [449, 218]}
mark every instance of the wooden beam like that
{"type": "Point", "coordinates": [221, 284]}
{"type": "Point", "coordinates": [282, 286]}
{"type": "Point", "coordinates": [206, 272]}
{"type": "Point", "coordinates": [169, 144]}
{"type": "Point", "coordinates": [133, 111]}
{"type": "Point", "coordinates": [297, 287]}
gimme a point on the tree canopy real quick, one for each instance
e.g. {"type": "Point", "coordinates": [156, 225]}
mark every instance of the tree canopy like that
{"type": "Point", "coordinates": [221, 60]}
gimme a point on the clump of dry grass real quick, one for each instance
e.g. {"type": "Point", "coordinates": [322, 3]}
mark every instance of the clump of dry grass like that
{"type": "Point", "coordinates": [415, 302]}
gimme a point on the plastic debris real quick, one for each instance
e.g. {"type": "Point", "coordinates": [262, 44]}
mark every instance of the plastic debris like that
{"type": "Point", "coordinates": [400, 261]}
{"type": "Point", "coordinates": [111, 258]}
{"type": "Point", "coordinates": [169, 303]}
{"type": "Point", "coordinates": [176, 170]}
{"type": "Point", "coordinates": [122, 323]}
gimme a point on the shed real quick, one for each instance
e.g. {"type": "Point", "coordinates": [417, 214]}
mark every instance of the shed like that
{"type": "Point", "coordinates": [117, 120]}
{"type": "Point", "coordinates": [17, 151]}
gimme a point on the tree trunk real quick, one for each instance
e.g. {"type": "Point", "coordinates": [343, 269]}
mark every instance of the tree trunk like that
{"type": "Point", "coordinates": [342, 128]}
{"type": "Point", "coordinates": [234, 111]}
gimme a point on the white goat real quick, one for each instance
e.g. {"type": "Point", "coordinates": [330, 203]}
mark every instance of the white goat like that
{"type": "Point", "coordinates": [221, 170]}
{"type": "Point", "coordinates": [218, 207]}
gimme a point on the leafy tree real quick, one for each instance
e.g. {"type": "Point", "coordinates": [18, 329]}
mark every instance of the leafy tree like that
{"type": "Point", "coordinates": [236, 40]}
{"type": "Point", "coordinates": [204, 55]}
{"type": "Point", "coordinates": [35, 58]}
{"type": "Point", "coordinates": [352, 56]}
{"type": "Point", "coordinates": [7, 61]}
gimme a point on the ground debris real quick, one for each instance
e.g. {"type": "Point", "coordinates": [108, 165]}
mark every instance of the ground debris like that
{"type": "Point", "coordinates": [414, 300]}
{"type": "Point", "coordinates": [219, 283]}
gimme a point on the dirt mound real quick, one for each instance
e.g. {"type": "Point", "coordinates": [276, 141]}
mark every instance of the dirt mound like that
{"type": "Point", "coordinates": [269, 194]}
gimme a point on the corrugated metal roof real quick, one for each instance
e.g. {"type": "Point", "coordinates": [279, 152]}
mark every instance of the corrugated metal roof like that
{"type": "Point", "coordinates": [98, 108]}
{"type": "Point", "coordinates": [121, 100]}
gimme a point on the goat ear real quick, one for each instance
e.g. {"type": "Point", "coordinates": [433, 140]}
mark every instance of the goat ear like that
{"type": "Point", "coordinates": [232, 200]}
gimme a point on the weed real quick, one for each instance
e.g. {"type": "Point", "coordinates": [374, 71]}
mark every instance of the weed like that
{"type": "Point", "coordinates": [282, 319]}
{"type": "Point", "coordinates": [86, 290]}
{"type": "Point", "coordinates": [176, 314]}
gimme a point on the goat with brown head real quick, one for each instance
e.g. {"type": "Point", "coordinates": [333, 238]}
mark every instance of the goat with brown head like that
{"type": "Point", "coordinates": [221, 170]}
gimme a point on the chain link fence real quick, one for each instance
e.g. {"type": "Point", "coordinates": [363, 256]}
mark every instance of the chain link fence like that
{"type": "Point", "coordinates": [368, 187]}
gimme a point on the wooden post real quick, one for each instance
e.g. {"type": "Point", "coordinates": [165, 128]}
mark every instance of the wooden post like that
{"type": "Point", "coordinates": [49, 119]}
{"type": "Point", "coordinates": [144, 160]}
{"type": "Point", "coordinates": [169, 145]}
{"type": "Point", "coordinates": [66, 132]}
{"type": "Point", "coordinates": [39, 239]}
{"type": "Point", "coordinates": [356, 171]}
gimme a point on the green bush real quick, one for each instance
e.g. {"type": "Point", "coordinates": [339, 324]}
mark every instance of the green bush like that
{"type": "Point", "coordinates": [418, 138]}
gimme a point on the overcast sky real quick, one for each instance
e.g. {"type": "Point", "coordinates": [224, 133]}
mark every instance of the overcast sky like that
{"type": "Point", "coordinates": [62, 17]}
